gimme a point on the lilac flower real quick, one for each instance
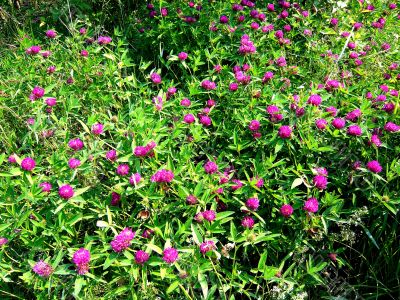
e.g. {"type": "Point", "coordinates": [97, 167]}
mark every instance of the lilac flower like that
{"type": "Point", "coordinates": [321, 124]}
{"type": "Point", "coordinates": [135, 179]}
{"type": "Point", "coordinates": [104, 40]}
{"type": "Point", "coordinates": [75, 144]}
{"type": "Point", "coordinates": [285, 131]}
{"type": "Point", "coordinates": [354, 130]}
{"type": "Point", "coordinates": [189, 119]}
{"type": "Point", "coordinates": [254, 125]}
{"type": "Point", "coordinates": [320, 182]}
{"type": "Point", "coordinates": [155, 78]}
{"type": "Point", "coordinates": [3, 241]}
{"type": "Point", "coordinates": [209, 215]}
{"type": "Point", "coordinates": [205, 120]}
{"type": "Point", "coordinates": [338, 123]}
{"type": "Point", "coordinates": [208, 85]}
{"type": "Point", "coordinates": [314, 99]}
{"type": "Point", "coordinates": [210, 167]}
{"type": "Point", "coordinates": [391, 127]}
{"type": "Point", "coordinates": [185, 102]}
{"type": "Point", "coordinates": [33, 50]}
{"type": "Point", "coordinates": [111, 155]}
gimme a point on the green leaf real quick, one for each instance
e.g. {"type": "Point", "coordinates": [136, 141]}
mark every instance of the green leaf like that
{"type": "Point", "coordinates": [198, 239]}
{"type": "Point", "coordinates": [173, 286]}
{"type": "Point", "coordinates": [79, 283]}
{"type": "Point", "coordinates": [154, 248]}
{"type": "Point", "coordinates": [203, 283]}
{"type": "Point", "coordinates": [297, 182]}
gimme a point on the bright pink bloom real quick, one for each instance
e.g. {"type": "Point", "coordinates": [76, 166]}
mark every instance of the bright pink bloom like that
{"type": "Point", "coordinates": [28, 164]}
{"type": "Point", "coordinates": [286, 210]}
{"type": "Point", "coordinates": [66, 191]}
{"type": "Point", "coordinates": [170, 255]}
{"type": "Point", "coordinates": [311, 205]}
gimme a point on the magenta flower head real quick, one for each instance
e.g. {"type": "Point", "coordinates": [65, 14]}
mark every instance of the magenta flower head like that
{"type": "Point", "coordinates": [375, 140]}
{"type": "Point", "coordinates": [140, 151]}
{"type": "Point", "coordinates": [185, 102]}
{"type": "Point", "coordinates": [286, 210]}
{"type": "Point", "coordinates": [248, 222]}
{"type": "Point", "coordinates": [84, 53]}
{"type": "Point", "coordinates": [208, 85]}
{"type": "Point", "coordinates": [189, 119]}
{"type": "Point", "coordinates": [320, 182]}
{"type": "Point", "coordinates": [46, 187]}
{"type": "Point", "coordinates": [374, 166]}
{"type": "Point", "coordinates": [74, 163]}
{"type": "Point", "coordinates": [210, 167]}
{"type": "Point", "coordinates": [135, 179]}
{"type": "Point", "coordinates": [314, 99]}
{"type": "Point", "coordinates": [311, 205]}
{"type": "Point", "coordinates": [123, 240]}
{"type": "Point", "coordinates": [254, 125]}
{"type": "Point", "coordinates": [75, 144]}
{"type": "Point", "coordinates": [338, 123]}
{"type": "Point", "coordinates": [155, 78]}
{"type": "Point", "coordinates": [37, 92]}
{"type": "Point", "coordinates": [321, 124]}
{"type": "Point", "coordinates": [224, 19]}
{"type": "Point", "coordinates": [182, 56]}
{"type": "Point", "coordinates": [207, 246]}
{"type": "Point", "coordinates": [66, 191]}
{"type": "Point", "coordinates": [11, 159]}
{"type": "Point", "coordinates": [51, 101]}
{"type": "Point", "coordinates": [162, 176]}
{"type": "Point", "coordinates": [82, 31]}
{"type": "Point", "coordinates": [285, 132]}
{"type": "Point", "coordinates": [141, 257]}
{"type": "Point", "coordinates": [209, 215]}
{"type": "Point", "coordinates": [191, 200]}
{"type": "Point", "coordinates": [51, 34]}
{"type": "Point", "coordinates": [42, 268]}
{"type": "Point", "coordinates": [51, 69]}
{"type": "Point", "coordinates": [33, 50]}
{"type": "Point", "coordinates": [115, 198]}
{"type": "Point", "coordinates": [81, 260]}
{"type": "Point", "coordinates": [238, 184]}
{"type": "Point", "coordinates": [123, 169]}
{"type": "Point", "coordinates": [205, 120]}
{"type": "Point", "coordinates": [3, 241]}
{"type": "Point", "coordinates": [170, 255]}
{"type": "Point", "coordinates": [28, 164]}
{"type": "Point", "coordinates": [267, 77]}
{"type": "Point", "coordinates": [331, 110]}
{"type": "Point", "coordinates": [354, 115]}
{"type": "Point", "coordinates": [104, 40]}
{"type": "Point", "coordinates": [252, 204]}
{"type": "Point", "coordinates": [111, 155]}
{"type": "Point", "coordinates": [233, 86]}
{"type": "Point", "coordinates": [354, 130]}
{"type": "Point", "coordinates": [97, 128]}
{"type": "Point", "coordinates": [391, 127]}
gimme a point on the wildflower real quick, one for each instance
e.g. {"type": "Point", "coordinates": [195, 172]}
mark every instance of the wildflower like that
{"type": "Point", "coordinates": [115, 198]}
{"type": "Point", "coordinates": [123, 240]}
{"type": "Point", "coordinates": [210, 167]}
{"type": "Point", "coordinates": [252, 204]}
{"type": "Point", "coordinates": [162, 176]}
{"type": "Point", "coordinates": [155, 78]}
{"type": "Point", "coordinates": [321, 124]}
{"type": "Point", "coordinates": [74, 163]}
{"type": "Point", "coordinates": [286, 210]}
{"type": "Point", "coordinates": [267, 77]}
{"type": "Point", "coordinates": [51, 101]}
{"type": "Point", "coordinates": [135, 179]}
{"type": "Point", "coordinates": [208, 85]}
{"type": "Point", "coordinates": [141, 257]}
{"type": "Point", "coordinates": [354, 115]}
{"type": "Point", "coordinates": [123, 169]}
{"type": "Point", "coordinates": [191, 200]}
{"type": "Point", "coordinates": [238, 184]}
{"type": "Point", "coordinates": [205, 120]}
{"type": "Point", "coordinates": [314, 99]}
{"type": "Point", "coordinates": [338, 123]}
{"type": "Point", "coordinates": [66, 191]}
{"type": "Point", "coordinates": [81, 260]}
{"type": "Point", "coordinates": [354, 130]}
{"type": "Point", "coordinates": [104, 40]}
{"type": "Point", "coordinates": [182, 56]}
{"type": "Point", "coordinates": [170, 255]}
{"type": "Point", "coordinates": [285, 132]}
{"type": "Point", "coordinates": [320, 182]}
{"type": "Point", "coordinates": [33, 50]}
{"type": "Point", "coordinates": [111, 155]}
{"type": "Point", "coordinates": [374, 166]}
{"type": "Point", "coordinates": [247, 222]}
{"type": "Point", "coordinates": [189, 119]}
{"type": "Point", "coordinates": [37, 92]}
{"type": "Point", "coordinates": [207, 246]}
{"type": "Point", "coordinates": [42, 268]}
{"type": "Point", "coordinates": [209, 215]}
{"type": "Point", "coordinates": [254, 125]}
{"type": "Point", "coordinates": [3, 241]}
{"type": "Point", "coordinates": [46, 187]}
{"type": "Point", "coordinates": [311, 205]}
{"type": "Point", "coordinates": [185, 102]}
{"type": "Point", "coordinates": [75, 144]}
{"type": "Point", "coordinates": [28, 164]}
{"type": "Point", "coordinates": [375, 140]}
{"type": "Point", "coordinates": [331, 110]}
{"type": "Point", "coordinates": [391, 127]}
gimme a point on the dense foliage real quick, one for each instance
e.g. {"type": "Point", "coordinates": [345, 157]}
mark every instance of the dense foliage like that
{"type": "Point", "coordinates": [208, 150]}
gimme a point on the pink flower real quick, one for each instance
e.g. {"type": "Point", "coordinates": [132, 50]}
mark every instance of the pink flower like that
{"type": "Point", "coordinates": [163, 176]}
{"type": "Point", "coordinates": [84, 53]}
{"type": "Point", "coordinates": [320, 182]}
{"type": "Point", "coordinates": [42, 268]}
{"type": "Point", "coordinates": [37, 92]}
{"type": "Point", "coordinates": [3, 241]}
{"type": "Point", "coordinates": [321, 124]}
{"type": "Point", "coordinates": [74, 163]}
{"type": "Point", "coordinates": [207, 246]}
{"type": "Point", "coordinates": [111, 155]}
{"type": "Point", "coordinates": [209, 215]}
{"type": "Point", "coordinates": [46, 187]}
{"type": "Point", "coordinates": [374, 166]}
{"type": "Point", "coordinates": [285, 132]}
{"type": "Point", "coordinates": [141, 257]}
{"type": "Point", "coordinates": [314, 99]}
{"type": "Point", "coordinates": [338, 123]}
{"type": "Point", "coordinates": [123, 240]}
{"type": "Point", "coordinates": [189, 119]}
{"type": "Point", "coordinates": [332, 111]}
{"type": "Point", "coordinates": [191, 200]}
{"type": "Point", "coordinates": [252, 204]}
{"type": "Point", "coordinates": [51, 101]}
{"type": "Point", "coordinates": [75, 144]}
{"type": "Point", "coordinates": [205, 120]}
{"type": "Point", "coordinates": [354, 130]}
{"type": "Point", "coordinates": [66, 191]}
{"type": "Point", "coordinates": [135, 179]}
{"type": "Point", "coordinates": [208, 85]}
{"type": "Point", "coordinates": [115, 198]}
{"type": "Point", "coordinates": [170, 255]}
{"type": "Point", "coordinates": [182, 56]}
{"type": "Point", "coordinates": [104, 40]}
{"type": "Point", "coordinates": [97, 128]}
{"type": "Point", "coordinates": [51, 34]}
{"type": "Point", "coordinates": [155, 78]}
{"type": "Point", "coordinates": [123, 169]}
{"type": "Point", "coordinates": [286, 210]}
{"type": "Point", "coordinates": [254, 125]}
{"type": "Point", "coordinates": [210, 167]}
{"type": "Point", "coordinates": [33, 50]}
{"type": "Point", "coordinates": [185, 102]}
{"type": "Point", "coordinates": [238, 184]}
{"type": "Point", "coordinates": [354, 115]}
{"type": "Point", "coordinates": [28, 164]}
{"type": "Point", "coordinates": [391, 127]}
{"type": "Point", "coordinates": [248, 222]}
{"type": "Point", "coordinates": [81, 259]}
{"type": "Point", "coordinates": [375, 140]}
{"type": "Point", "coordinates": [140, 151]}
{"type": "Point", "coordinates": [311, 205]}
